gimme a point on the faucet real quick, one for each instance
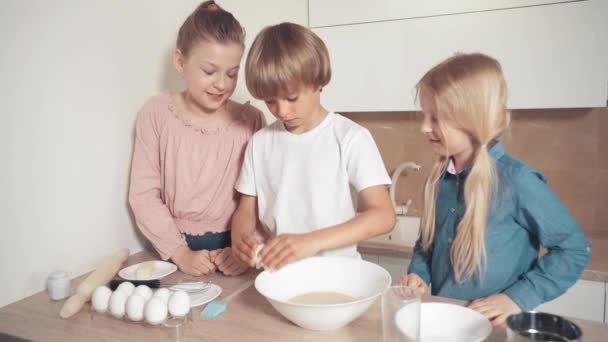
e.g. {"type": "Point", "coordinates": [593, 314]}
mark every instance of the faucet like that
{"type": "Point", "coordinates": [401, 210]}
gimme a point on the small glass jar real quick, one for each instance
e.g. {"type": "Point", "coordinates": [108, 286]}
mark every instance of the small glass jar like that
{"type": "Point", "coordinates": [58, 285]}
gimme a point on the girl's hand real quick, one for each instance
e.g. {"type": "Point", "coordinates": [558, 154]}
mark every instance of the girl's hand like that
{"type": "Point", "coordinates": [414, 281]}
{"type": "Point", "coordinates": [287, 248]}
{"type": "Point", "coordinates": [192, 262]}
{"type": "Point", "coordinates": [228, 264]}
{"type": "Point", "coordinates": [495, 307]}
{"type": "Point", "coordinates": [243, 246]}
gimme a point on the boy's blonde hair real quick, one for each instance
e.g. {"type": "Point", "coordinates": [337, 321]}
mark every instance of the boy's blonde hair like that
{"type": "Point", "coordinates": [284, 57]}
{"type": "Point", "coordinates": [469, 92]}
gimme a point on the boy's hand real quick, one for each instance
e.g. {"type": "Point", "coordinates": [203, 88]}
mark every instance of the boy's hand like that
{"type": "Point", "coordinates": [228, 264]}
{"type": "Point", "coordinates": [192, 262]}
{"type": "Point", "coordinates": [243, 246]}
{"type": "Point", "coordinates": [495, 307]}
{"type": "Point", "coordinates": [414, 281]}
{"type": "Point", "coordinates": [287, 248]}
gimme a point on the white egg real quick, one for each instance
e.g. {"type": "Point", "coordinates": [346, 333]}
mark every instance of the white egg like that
{"type": "Point", "coordinates": [163, 294]}
{"type": "Point", "coordinates": [258, 259]}
{"type": "Point", "coordinates": [118, 300]}
{"type": "Point", "coordinates": [155, 311]}
{"type": "Point", "coordinates": [143, 291]}
{"type": "Point", "coordinates": [101, 299]}
{"type": "Point", "coordinates": [126, 287]}
{"type": "Point", "coordinates": [135, 307]}
{"type": "Point", "coordinates": [179, 304]}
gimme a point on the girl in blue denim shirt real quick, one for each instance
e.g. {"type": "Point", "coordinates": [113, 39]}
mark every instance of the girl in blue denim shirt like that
{"type": "Point", "coordinates": [486, 213]}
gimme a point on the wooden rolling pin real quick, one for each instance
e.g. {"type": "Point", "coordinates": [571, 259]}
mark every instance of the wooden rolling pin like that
{"type": "Point", "coordinates": [99, 277]}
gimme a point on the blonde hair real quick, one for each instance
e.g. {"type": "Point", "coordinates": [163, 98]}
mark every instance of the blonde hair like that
{"type": "Point", "coordinates": [283, 57]}
{"type": "Point", "coordinates": [469, 92]}
{"type": "Point", "coordinates": [209, 22]}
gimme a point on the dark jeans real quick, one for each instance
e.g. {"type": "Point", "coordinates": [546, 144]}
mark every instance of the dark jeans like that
{"type": "Point", "coordinates": [209, 241]}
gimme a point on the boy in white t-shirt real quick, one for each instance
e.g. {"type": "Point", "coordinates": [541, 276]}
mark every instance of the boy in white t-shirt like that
{"type": "Point", "coordinates": [299, 172]}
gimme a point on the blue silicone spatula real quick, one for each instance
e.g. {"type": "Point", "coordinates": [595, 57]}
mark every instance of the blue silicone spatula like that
{"type": "Point", "coordinates": [217, 307]}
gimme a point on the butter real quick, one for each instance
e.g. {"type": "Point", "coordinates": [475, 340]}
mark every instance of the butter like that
{"type": "Point", "coordinates": [145, 270]}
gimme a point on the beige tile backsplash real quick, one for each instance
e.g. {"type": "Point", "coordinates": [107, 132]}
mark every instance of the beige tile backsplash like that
{"type": "Point", "coordinates": [569, 146]}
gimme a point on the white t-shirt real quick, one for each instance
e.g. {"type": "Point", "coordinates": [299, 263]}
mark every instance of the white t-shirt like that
{"type": "Point", "coordinates": [303, 181]}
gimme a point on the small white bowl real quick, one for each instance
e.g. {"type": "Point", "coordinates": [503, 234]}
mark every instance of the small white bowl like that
{"type": "Point", "coordinates": [448, 323]}
{"type": "Point", "coordinates": [357, 278]}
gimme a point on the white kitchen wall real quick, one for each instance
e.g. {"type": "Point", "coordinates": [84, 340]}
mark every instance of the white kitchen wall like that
{"type": "Point", "coordinates": [73, 75]}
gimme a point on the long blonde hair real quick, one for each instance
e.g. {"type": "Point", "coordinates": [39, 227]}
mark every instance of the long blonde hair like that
{"type": "Point", "coordinates": [469, 92]}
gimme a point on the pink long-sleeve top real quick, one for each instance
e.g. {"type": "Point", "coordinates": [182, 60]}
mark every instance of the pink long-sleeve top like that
{"type": "Point", "coordinates": [183, 177]}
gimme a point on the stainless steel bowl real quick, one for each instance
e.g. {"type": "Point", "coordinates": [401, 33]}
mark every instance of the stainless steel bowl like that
{"type": "Point", "coordinates": [539, 326]}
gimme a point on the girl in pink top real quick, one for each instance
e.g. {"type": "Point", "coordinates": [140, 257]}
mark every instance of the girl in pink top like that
{"type": "Point", "coordinates": [189, 149]}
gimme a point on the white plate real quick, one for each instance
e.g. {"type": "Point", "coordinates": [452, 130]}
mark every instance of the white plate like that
{"type": "Point", "coordinates": [161, 269]}
{"type": "Point", "coordinates": [198, 299]}
{"type": "Point", "coordinates": [448, 323]}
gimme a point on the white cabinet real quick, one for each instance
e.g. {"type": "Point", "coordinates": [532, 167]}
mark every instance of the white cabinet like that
{"type": "Point", "coordinates": [585, 300]}
{"type": "Point", "coordinates": [553, 56]}
{"type": "Point", "coordinates": [344, 12]}
{"type": "Point", "coordinates": [395, 266]}
{"type": "Point", "coordinates": [370, 257]}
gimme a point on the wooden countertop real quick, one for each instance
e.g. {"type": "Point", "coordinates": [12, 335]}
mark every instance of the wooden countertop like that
{"type": "Point", "coordinates": [249, 318]}
{"type": "Point", "coordinates": [596, 270]}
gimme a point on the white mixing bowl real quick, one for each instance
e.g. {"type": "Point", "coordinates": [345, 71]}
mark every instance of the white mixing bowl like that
{"type": "Point", "coordinates": [357, 278]}
{"type": "Point", "coordinates": [442, 322]}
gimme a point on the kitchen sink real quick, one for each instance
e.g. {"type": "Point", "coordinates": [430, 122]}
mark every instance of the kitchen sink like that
{"type": "Point", "coordinates": [405, 232]}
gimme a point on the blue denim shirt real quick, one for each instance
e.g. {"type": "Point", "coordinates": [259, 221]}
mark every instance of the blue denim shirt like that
{"type": "Point", "coordinates": [525, 214]}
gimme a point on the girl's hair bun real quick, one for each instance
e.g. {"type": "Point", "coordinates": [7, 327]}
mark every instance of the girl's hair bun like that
{"type": "Point", "coordinates": [211, 6]}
